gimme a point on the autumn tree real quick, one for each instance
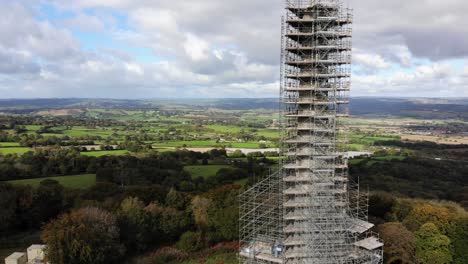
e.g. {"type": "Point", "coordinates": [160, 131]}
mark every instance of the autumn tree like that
{"type": "Point", "coordinates": [424, 213]}
{"type": "Point", "coordinates": [85, 236]}
{"type": "Point", "coordinates": [399, 243]}
{"type": "Point", "coordinates": [432, 246]}
{"type": "Point", "coordinates": [200, 208]}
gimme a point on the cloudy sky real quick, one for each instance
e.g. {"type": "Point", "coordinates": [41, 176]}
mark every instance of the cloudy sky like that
{"type": "Point", "coordinates": [218, 48]}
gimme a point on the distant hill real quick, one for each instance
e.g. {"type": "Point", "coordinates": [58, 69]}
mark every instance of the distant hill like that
{"type": "Point", "coordinates": [424, 108]}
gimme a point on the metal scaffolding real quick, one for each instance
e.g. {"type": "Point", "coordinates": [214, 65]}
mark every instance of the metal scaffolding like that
{"type": "Point", "coordinates": [310, 212]}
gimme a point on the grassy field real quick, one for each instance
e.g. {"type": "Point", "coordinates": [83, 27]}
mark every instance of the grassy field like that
{"type": "Point", "coordinates": [377, 159]}
{"type": "Point", "coordinates": [389, 157]}
{"type": "Point", "coordinates": [268, 133]}
{"type": "Point", "coordinates": [210, 143]}
{"type": "Point", "coordinates": [75, 181]}
{"type": "Point", "coordinates": [14, 150]}
{"type": "Point", "coordinates": [204, 171]}
{"type": "Point", "coordinates": [104, 153]}
{"type": "Point", "coordinates": [9, 144]}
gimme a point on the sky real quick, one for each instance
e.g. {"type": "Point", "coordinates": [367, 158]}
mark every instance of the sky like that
{"type": "Point", "coordinates": [140, 49]}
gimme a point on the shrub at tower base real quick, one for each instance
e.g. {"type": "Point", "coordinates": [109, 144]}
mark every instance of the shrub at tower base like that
{"type": "Point", "coordinates": [85, 236]}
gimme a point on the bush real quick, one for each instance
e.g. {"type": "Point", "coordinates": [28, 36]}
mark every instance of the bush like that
{"type": "Point", "coordinates": [190, 242]}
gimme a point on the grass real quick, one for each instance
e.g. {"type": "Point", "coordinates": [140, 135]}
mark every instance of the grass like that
{"type": "Point", "coordinates": [389, 157]}
{"type": "Point", "coordinates": [32, 127]}
{"type": "Point", "coordinates": [75, 181]}
{"type": "Point", "coordinates": [9, 144]}
{"type": "Point", "coordinates": [376, 159]}
{"type": "Point", "coordinates": [100, 153]}
{"type": "Point", "coordinates": [268, 133]}
{"type": "Point", "coordinates": [241, 182]}
{"type": "Point", "coordinates": [14, 150]}
{"type": "Point", "coordinates": [210, 143]}
{"type": "Point", "coordinates": [204, 171]}
{"type": "Point", "coordinates": [164, 150]}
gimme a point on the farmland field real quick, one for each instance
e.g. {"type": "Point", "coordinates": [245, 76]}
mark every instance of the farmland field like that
{"type": "Point", "coordinates": [14, 150]}
{"type": "Point", "coordinates": [75, 181]}
{"type": "Point", "coordinates": [204, 143]}
{"type": "Point", "coordinates": [104, 153]}
{"type": "Point", "coordinates": [9, 144]}
{"type": "Point", "coordinates": [204, 171]}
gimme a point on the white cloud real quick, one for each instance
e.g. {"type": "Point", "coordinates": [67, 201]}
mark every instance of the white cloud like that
{"type": "Point", "coordinates": [373, 61]}
{"type": "Point", "coordinates": [218, 48]}
{"type": "Point", "coordinates": [196, 48]}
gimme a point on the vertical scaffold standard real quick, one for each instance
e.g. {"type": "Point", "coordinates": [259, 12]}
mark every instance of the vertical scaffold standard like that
{"type": "Point", "coordinates": [309, 211]}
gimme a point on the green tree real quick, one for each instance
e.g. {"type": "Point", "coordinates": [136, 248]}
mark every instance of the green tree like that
{"type": "Point", "coordinates": [176, 199]}
{"type": "Point", "coordinates": [8, 204]}
{"type": "Point", "coordinates": [380, 204]}
{"type": "Point", "coordinates": [190, 242]}
{"type": "Point", "coordinates": [458, 233]}
{"type": "Point", "coordinates": [85, 236]}
{"type": "Point", "coordinates": [223, 214]}
{"type": "Point", "coordinates": [48, 201]}
{"type": "Point", "coordinates": [431, 246]}
{"type": "Point", "coordinates": [134, 224]}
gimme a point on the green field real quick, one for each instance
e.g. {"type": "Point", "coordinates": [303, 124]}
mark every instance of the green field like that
{"type": "Point", "coordinates": [14, 150]}
{"type": "Point", "coordinates": [204, 171]}
{"type": "Point", "coordinates": [9, 144]}
{"type": "Point", "coordinates": [100, 153]}
{"type": "Point", "coordinates": [75, 181]}
{"type": "Point", "coordinates": [268, 133]}
{"type": "Point", "coordinates": [376, 159]}
{"type": "Point", "coordinates": [210, 143]}
{"type": "Point", "coordinates": [389, 157]}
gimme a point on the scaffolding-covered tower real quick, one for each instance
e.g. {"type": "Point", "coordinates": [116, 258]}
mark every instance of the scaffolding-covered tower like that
{"type": "Point", "coordinates": [310, 212]}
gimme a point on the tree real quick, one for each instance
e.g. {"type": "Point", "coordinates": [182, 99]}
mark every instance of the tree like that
{"type": "Point", "coordinates": [48, 201]}
{"type": "Point", "coordinates": [167, 223]}
{"type": "Point", "coordinates": [85, 236]}
{"type": "Point", "coordinates": [190, 242]}
{"type": "Point", "coordinates": [399, 243]}
{"type": "Point", "coordinates": [134, 224]}
{"type": "Point", "coordinates": [431, 246]}
{"type": "Point", "coordinates": [200, 208]}
{"type": "Point", "coordinates": [223, 214]}
{"type": "Point", "coordinates": [8, 205]}
{"type": "Point", "coordinates": [176, 199]}
{"type": "Point", "coordinates": [380, 204]}
{"type": "Point", "coordinates": [424, 213]}
{"type": "Point", "coordinates": [458, 233]}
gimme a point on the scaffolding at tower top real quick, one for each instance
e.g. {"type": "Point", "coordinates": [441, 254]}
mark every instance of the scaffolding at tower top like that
{"type": "Point", "coordinates": [310, 212]}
